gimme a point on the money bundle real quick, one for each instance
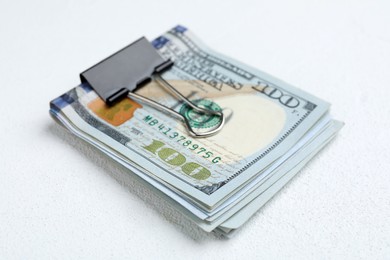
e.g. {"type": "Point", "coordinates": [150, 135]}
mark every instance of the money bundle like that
{"type": "Point", "coordinates": [271, 131]}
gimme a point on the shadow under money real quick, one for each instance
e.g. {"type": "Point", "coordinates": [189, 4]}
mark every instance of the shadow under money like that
{"type": "Point", "coordinates": [133, 184]}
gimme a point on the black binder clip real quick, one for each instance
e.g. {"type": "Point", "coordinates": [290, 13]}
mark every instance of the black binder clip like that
{"type": "Point", "coordinates": [123, 72]}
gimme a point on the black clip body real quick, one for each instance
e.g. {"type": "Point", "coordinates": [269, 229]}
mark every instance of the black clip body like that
{"type": "Point", "coordinates": [120, 74]}
{"type": "Point", "coordinates": [123, 71]}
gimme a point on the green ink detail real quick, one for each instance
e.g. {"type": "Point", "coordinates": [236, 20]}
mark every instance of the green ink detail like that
{"type": "Point", "coordinates": [171, 156]}
{"type": "Point", "coordinates": [216, 159]}
{"type": "Point", "coordinates": [198, 120]}
{"type": "Point", "coordinates": [153, 122]}
{"type": "Point", "coordinates": [147, 118]}
{"type": "Point", "coordinates": [196, 171]}
{"type": "Point", "coordinates": [153, 147]}
{"type": "Point", "coordinates": [174, 158]}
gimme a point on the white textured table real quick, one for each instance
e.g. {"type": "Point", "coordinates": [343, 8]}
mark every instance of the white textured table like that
{"type": "Point", "coordinates": [59, 198]}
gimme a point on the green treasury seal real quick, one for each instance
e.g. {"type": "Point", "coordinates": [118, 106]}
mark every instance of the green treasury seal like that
{"type": "Point", "coordinates": [199, 120]}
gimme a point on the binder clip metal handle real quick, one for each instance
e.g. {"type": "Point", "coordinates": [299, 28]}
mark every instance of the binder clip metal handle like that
{"type": "Point", "coordinates": [170, 111]}
{"type": "Point", "coordinates": [122, 73]}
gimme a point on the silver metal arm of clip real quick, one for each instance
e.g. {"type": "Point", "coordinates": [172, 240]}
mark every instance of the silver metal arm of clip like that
{"type": "Point", "coordinates": [119, 75]}
{"type": "Point", "coordinates": [172, 112]}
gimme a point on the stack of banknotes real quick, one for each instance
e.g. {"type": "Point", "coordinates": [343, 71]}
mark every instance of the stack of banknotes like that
{"type": "Point", "coordinates": [271, 131]}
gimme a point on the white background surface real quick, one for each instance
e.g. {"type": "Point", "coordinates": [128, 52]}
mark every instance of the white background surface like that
{"type": "Point", "coordinates": [59, 198]}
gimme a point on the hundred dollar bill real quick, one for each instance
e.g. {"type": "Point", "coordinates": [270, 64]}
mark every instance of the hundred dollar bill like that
{"type": "Point", "coordinates": [265, 118]}
{"type": "Point", "coordinates": [282, 170]}
{"type": "Point", "coordinates": [278, 173]}
{"type": "Point", "coordinates": [281, 174]}
{"type": "Point", "coordinates": [286, 172]}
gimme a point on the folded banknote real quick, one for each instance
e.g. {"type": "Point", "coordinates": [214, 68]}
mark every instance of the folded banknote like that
{"type": "Point", "coordinates": [271, 131]}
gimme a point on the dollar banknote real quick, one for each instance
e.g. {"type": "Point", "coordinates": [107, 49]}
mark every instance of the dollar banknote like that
{"type": "Point", "coordinates": [270, 128]}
